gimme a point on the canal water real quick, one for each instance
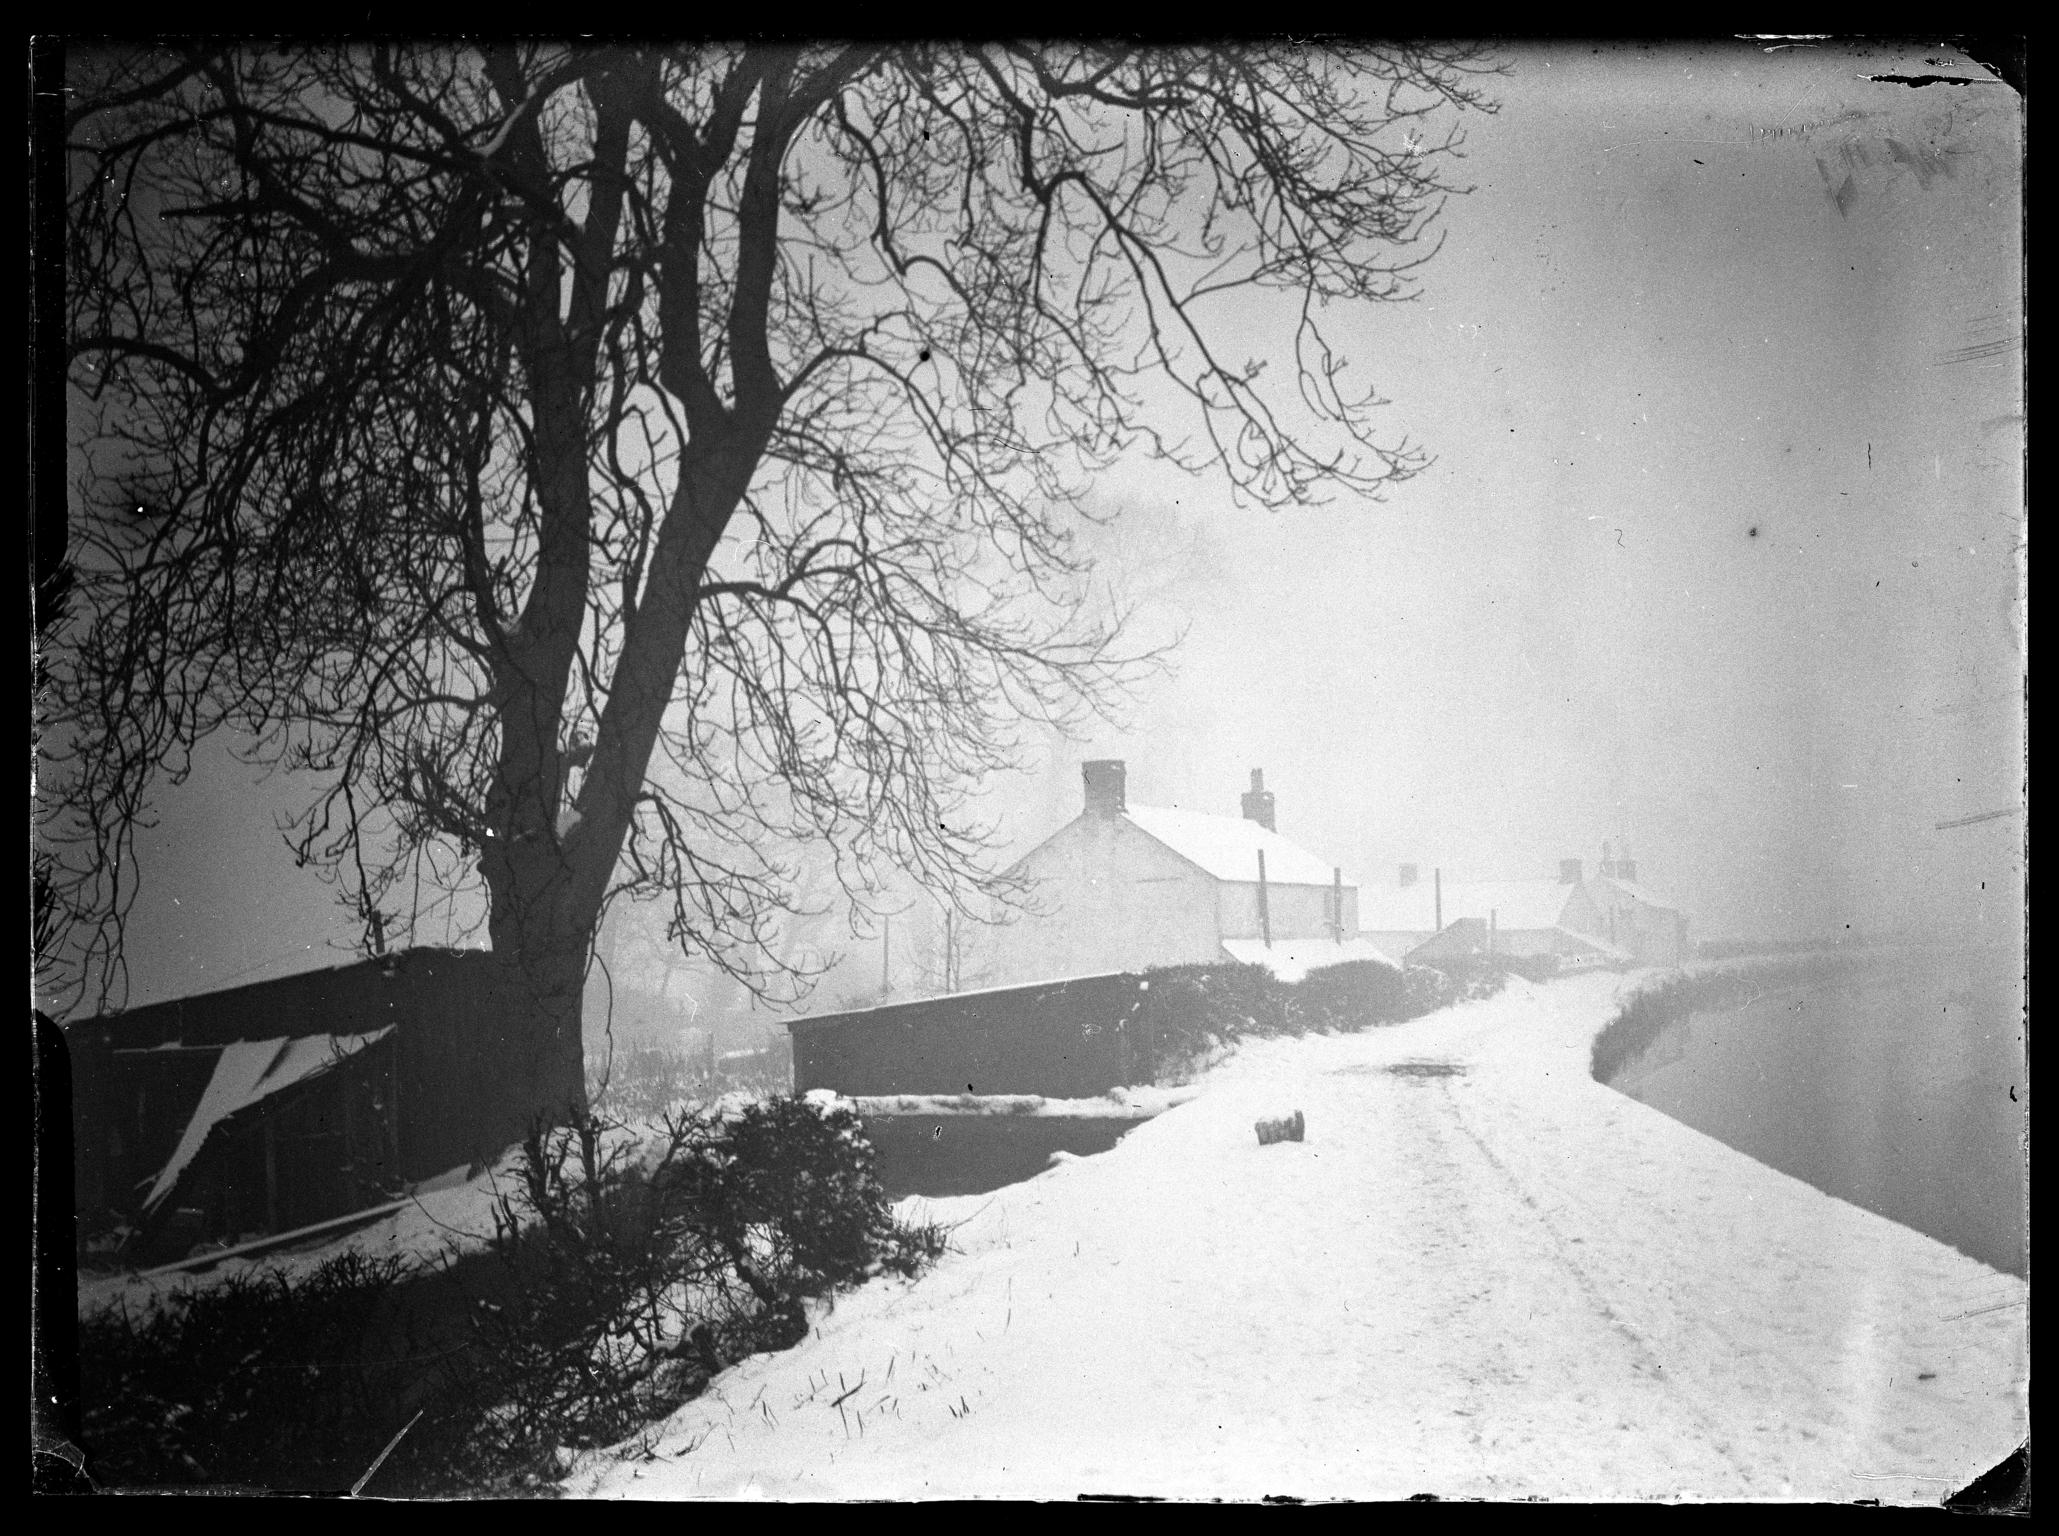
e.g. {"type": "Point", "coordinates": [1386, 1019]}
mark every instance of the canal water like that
{"type": "Point", "coordinates": [1897, 1084]}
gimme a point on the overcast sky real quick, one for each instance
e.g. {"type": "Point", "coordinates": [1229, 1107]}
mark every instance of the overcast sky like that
{"type": "Point", "coordinates": [1719, 556]}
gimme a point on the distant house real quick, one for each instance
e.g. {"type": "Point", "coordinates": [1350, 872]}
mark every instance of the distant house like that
{"type": "Point", "coordinates": [285, 1103]}
{"type": "Point", "coordinates": [1396, 918]}
{"type": "Point", "coordinates": [1607, 919]}
{"type": "Point", "coordinates": [1125, 887]}
{"type": "Point", "coordinates": [1449, 919]}
{"type": "Point", "coordinates": [1649, 927]}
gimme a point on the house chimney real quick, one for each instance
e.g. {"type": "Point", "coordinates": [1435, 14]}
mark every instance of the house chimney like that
{"type": "Point", "coordinates": [1104, 778]}
{"type": "Point", "coordinates": [1408, 876]}
{"type": "Point", "coordinates": [1258, 801]}
{"type": "Point", "coordinates": [1569, 871]}
{"type": "Point", "coordinates": [1626, 869]}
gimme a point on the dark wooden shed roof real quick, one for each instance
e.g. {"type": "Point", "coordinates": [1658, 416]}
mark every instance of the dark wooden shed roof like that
{"type": "Point", "coordinates": [1075, 1038]}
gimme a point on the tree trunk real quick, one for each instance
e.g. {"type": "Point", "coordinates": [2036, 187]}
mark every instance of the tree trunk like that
{"type": "Point", "coordinates": [545, 978]}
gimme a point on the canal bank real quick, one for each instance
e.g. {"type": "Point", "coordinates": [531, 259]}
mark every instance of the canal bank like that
{"type": "Point", "coordinates": [1482, 1274]}
{"type": "Point", "coordinates": [1892, 1078]}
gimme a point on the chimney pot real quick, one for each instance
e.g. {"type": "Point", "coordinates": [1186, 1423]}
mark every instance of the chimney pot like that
{"type": "Point", "coordinates": [1258, 801]}
{"type": "Point", "coordinates": [1409, 876]}
{"type": "Point", "coordinates": [1104, 779]}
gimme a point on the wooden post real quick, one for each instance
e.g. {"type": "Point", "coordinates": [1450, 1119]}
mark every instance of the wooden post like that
{"type": "Point", "coordinates": [950, 952]}
{"type": "Point", "coordinates": [1437, 879]}
{"type": "Point", "coordinates": [1265, 917]}
{"type": "Point", "coordinates": [1337, 902]}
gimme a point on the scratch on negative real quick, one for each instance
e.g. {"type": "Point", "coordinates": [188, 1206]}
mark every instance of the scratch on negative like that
{"type": "Point", "coordinates": [1977, 1311]}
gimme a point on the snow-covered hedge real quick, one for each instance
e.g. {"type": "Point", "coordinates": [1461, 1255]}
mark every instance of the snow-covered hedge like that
{"type": "Point", "coordinates": [260, 1380]}
{"type": "Point", "coordinates": [1737, 984]}
{"type": "Point", "coordinates": [627, 1269]}
{"type": "Point", "coordinates": [1195, 1009]}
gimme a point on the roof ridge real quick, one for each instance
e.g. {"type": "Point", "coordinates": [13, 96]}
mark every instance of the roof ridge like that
{"type": "Point", "coordinates": [1306, 868]}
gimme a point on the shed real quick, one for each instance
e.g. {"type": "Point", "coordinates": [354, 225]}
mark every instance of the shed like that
{"type": "Point", "coordinates": [271, 1106]}
{"type": "Point", "coordinates": [1072, 1039]}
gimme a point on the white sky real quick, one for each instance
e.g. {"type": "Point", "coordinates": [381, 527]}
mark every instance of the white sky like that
{"type": "Point", "coordinates": [1719, 556]}
{"type": "Point", "coordinates": [1650, 333]}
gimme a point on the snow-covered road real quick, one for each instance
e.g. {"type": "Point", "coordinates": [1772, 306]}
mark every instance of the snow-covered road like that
{"type": "Point", "coordinates": [1485, 1275]}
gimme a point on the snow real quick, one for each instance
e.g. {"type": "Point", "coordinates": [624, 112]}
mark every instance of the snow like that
{"type": "Point", "coordinates": [1636, 892]}
{"type": "Point", "coordinates": [1121, 1104]}
{"type": "Point", "coordinates": [1292, 959]}
{"type": "Point", "coordinates": [452, 1213]}
{"type": "Point", "coordinates": [1597, 949]}
{"type": "Point", "coordinates": [1227, 847]}
{"type": "Point", "coordinates": [1512, 904]}
{"type": "Point", "coordinates": [249, 1070]}
{"type": "Point", "coordinates": [1484, 1276]}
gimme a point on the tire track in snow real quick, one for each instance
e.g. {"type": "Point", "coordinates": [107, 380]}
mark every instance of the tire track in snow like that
{"type": "Point", "coordinates": [1522, 1376]}
{"type": "Point", "coordinates": [1648, 1360]}
{"type": "Point", "coordinates": [1809, 1412]}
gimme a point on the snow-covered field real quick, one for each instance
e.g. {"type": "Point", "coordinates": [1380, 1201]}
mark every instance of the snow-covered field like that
{"type": "Point", "coordinates": [1502, 1281]}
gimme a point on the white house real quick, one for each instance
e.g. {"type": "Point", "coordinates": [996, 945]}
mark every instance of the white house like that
{"type": "Point", "coordinates": [1124, 887]}
{"type": "Point", "coordinates": [1652, 929]}
{"type": "Point", "coordinates": [1607, 918]}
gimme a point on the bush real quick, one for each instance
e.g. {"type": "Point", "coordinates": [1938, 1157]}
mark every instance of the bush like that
{"type": "Point", "coordinates": [632, 1274]}
{"type": "Point", "coordinates": [1362, 992]}
{"type": "Point", "coordinates": [623, 1274]}
{"type": "Point", "coordinates": [256, 1381]}
{"type": "Point", "coordinates": [1195, 1010]}
{"type": "Point", "coordinates": [1645, 1015]}
{"type": "Point", "coordinates": [644, 1081]}
{"type": "Point", "coordinates": [1483, 975]}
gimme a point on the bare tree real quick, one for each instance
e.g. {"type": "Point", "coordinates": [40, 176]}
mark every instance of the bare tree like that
{"type": "Point", "coordinates": [611, 466]}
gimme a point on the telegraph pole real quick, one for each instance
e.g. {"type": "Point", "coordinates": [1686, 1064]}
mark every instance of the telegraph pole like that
{"type": "Point", "coordinates": [1265, 917]}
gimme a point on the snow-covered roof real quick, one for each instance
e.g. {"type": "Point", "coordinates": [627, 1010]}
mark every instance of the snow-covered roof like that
{"type": "Point", "coordinates": [247, 1071]}
{"type": "Point", "coordinates": [1227, 847]}
{"type": "Point", "coordinates": [1637, 892]}
{"type": "Point", "coordinates": [1601, 947]}
{"type": "Point", "coordinates": [1290, 960]}
{"type": "Point", "coordinates": [1511, 904]}
{"type": "Point", "coordinates": [1397, 909]}
{"type": "Point", "coordinates": [1524, 904]}
{"type": "Point", "coordinates": [792, 1026]}
{"type": "Point", "coordinates": [1566, 936]}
